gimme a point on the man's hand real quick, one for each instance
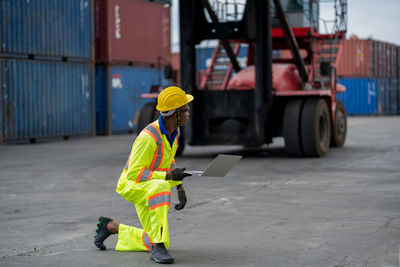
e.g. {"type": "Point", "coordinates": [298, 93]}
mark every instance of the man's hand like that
{"type": "Point", "coordinates": [181, 197]}
{"type": "Point", "coordinates": [178, 174]}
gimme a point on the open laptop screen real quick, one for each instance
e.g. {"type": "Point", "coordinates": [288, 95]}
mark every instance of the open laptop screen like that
{"type": "Point", "coordinates": [219, 167]}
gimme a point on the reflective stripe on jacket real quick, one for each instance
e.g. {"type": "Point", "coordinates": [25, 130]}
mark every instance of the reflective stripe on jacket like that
{"type": "Point", "coordinates": [150, 158]}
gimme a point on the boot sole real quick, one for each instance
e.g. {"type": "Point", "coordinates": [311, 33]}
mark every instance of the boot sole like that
{"type": "Point", "coordinates": [170, 261]}
{"type": "Point", "coordinates": [99, 245]}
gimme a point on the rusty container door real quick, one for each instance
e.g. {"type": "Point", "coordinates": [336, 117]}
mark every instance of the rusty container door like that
{"type": "Point", "coordinates": [132, 32]}
{"type": "Point", "coordinates": [398, 63]}
{"type": "Point", "coordinates": [381, 61]}
{"type": "Point", "coordinates": [357, 59]}
{"type": "Point", "coordinates": [393, 61]}
{"type": "Point", "coordinates": [387, 60]}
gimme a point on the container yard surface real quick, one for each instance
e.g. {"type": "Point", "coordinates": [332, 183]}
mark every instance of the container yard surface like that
{"type": "Point", "coordinates": [270, 210]}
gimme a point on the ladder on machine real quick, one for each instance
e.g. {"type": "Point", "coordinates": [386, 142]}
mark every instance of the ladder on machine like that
{"type": "Point", "coordinates": [328, 51]}
{"type": "Point", "coordinates": [218, 73]}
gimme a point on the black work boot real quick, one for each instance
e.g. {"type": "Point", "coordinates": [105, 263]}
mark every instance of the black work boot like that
{"type": "Point", "coordinates": [160, 254]}
{"type": "Point", "coordinates": [102, 232]}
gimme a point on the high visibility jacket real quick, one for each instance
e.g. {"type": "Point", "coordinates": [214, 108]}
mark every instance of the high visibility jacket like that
{"type": "Point", "coordinates": [150, 158]}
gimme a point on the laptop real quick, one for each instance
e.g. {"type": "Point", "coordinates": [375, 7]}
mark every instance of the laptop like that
{"type": "Point", "coordinates": [219, 167]}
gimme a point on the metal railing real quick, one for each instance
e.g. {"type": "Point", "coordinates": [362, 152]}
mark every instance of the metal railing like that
{"type": "Point", "coordinates": [232, 10]}
{"type": "Point", "coordinates": [339, 21]}
{"type": "Point", "coordinates": [228, 10]}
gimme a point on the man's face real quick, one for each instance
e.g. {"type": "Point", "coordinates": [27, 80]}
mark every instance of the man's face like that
{"type": "Point", "coordinates": [185, 112]}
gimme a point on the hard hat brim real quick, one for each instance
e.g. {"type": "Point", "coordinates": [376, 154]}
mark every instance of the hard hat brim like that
{"type": "Point", "coordinates": [189, 98]}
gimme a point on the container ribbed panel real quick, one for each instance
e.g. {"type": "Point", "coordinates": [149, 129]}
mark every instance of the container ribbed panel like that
{"type": "Point", "coordinates": [47, 29]}
{"type": "Point", "coordinates": [42, 100]}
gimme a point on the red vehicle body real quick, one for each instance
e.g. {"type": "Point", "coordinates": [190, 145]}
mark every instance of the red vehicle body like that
{"type": "Point", "coordinates": [293, 96]}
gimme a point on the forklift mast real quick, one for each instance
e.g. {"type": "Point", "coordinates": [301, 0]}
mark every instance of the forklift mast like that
{"type": "Point", "coordinates": [254, 116]}
{"type": "Point", "coordinates": [254, 27]}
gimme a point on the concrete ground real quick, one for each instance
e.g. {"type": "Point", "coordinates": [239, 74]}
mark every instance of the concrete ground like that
{"type": "Point", "coordinates": [270, 210]}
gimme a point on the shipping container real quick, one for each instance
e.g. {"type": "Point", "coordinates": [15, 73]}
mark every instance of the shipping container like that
{"type": "Point", "coordinates": [44, 100]}
{"type": "Point", "coordinates": [393, 61]}
{"type": "Point", "coordinates": [398, 96]}
{"type": "Point", "coordinates": [393, 97]}
{"type": "Point", "coordinates": [375, 58]}
{"type": "Point", "coordinates": [122, 87]}
{"type": "Point", "coordinates": [101, 100]}
{"type": "Point", "coordinates": [384, 96]}
{"type": "Point", "coordinates": [132, 32]}
{"type": "Point", "coordinates": [47, 29]}
{"type": "Point", "coordinates": [381, 60]}
{"type": "Point", "coordinates": [361, 96]}
{"type": "Point", "coordinates": [357, 59]}
{"type": "Point", "coordinates": [398, 62]}
{"type": "Point", "coordinates": [388, 59]}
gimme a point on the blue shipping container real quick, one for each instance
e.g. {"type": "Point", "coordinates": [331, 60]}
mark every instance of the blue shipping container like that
{"type": "Point", "coordinates": [388, 91]}
{"type": "Point", "coordinates": [124, 86]}
{"type": "Point", "coordinates": [101, 100]}
{"type": "Point", "coordinates": [384, 96]}
{"type": "Point", "coordinates": [47, 29]}
{"type": "Point", "coordinates": [361, 96]}
{"type": "Point", "coordinates": [393, 97]}
{"type": "Point", "coordinates": [42, 100]}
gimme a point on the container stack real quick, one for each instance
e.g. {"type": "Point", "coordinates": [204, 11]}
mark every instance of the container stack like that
{"type": "Point", "coordinates": [46, 70]}
{"type": "Point", "coordinates": [370, 71]}
{"type": "Point", "coordinates": [132, 46]}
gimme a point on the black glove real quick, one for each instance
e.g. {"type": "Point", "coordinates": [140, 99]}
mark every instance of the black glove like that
{"type": "Point", "coordinates": [182, 200]}
{"type": "Point", "coordinates": [178, 174]}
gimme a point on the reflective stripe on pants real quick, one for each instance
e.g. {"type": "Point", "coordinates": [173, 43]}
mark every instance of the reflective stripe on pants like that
{"type": "Point", "coordinates": [132, 239]}
{"type": "Point", "coordinates": [152, 200]}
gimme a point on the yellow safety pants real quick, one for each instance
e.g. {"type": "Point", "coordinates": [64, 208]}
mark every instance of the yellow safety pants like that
{"type": "Point", "coordinates": [152, 200]}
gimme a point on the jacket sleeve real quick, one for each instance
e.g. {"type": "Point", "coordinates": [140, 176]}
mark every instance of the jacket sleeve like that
{"type": "Point", "coordinates": [173, 165]}
{"type": "Point", "coordinates": [140, 159]}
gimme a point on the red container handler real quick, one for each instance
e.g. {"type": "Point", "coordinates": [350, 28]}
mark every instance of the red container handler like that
{"type": "Point", "coordinates": [132, 32]}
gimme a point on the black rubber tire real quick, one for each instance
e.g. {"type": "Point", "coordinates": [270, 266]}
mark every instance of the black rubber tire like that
{"type": "Point", "coordinates": [146, 116]}
{"type": "Point", "coordinates": [315, 128]}
{"type": "Point", "coordinates": [339, 126]}
{"type": "Point", "coordinates": [291, 128]}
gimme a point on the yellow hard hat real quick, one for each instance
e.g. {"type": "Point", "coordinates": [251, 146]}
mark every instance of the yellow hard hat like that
{"type": "Point", "coordinates": [171, 98]}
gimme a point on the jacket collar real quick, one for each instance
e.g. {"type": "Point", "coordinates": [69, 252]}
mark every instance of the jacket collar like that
{"type": "Point", "coordinates": [163, 130]}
